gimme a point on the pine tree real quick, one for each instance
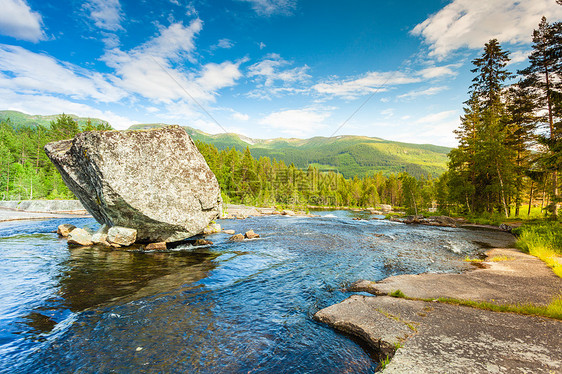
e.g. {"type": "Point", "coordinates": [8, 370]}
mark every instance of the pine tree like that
{"type": "Point", "coordinates": [542, 75]}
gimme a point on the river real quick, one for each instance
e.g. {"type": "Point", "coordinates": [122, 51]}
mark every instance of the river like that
{"type": "Point", "coordinates": [229, 308]}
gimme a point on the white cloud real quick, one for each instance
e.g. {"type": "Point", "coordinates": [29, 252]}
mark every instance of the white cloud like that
{"type": "Point", "coordinates": [518, 56]}
{"type": "Point", "coordinates": [240, 116]}
{"type": "Point", "coordinates": [225, 43]}
{"type": "Point", "coordinates": [271, 7]}
{"type": "Point", "coordinates": [437, 117]}
{"type": "Point", "coordinates": [28, 72]}
{"type": "Point", "coordinates": [297, 122]}
{"type": "Point", "coordinates": [368, 83]}
{"type": "Point", "coordinates": [19, 21]}
{"type": "Point", "coordinates": [262, 45]}
{"type": "Point", "coordinates": [271, 70]}
{"type": "Point", "coordinates": [439, 71]}
{"type": "Point", "coordinates": [106, 14]}
{"type": "Point", "coordinates": [216, 76]}
{"type": "Point", "coordinates": [148, 70]}
{"type": "Point", "coordinates": [387, 113]}
{"type": "Point", "coordinates": [427, 92]}
{"type": "Point", "coordinates": [471, 23]}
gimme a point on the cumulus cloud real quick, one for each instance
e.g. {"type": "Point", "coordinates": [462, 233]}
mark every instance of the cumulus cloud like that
{"type": "Point", "coordinates": [106, 14]}
{"type": "Point", "coordinates": [24, 71]}
{"type": "Point", "coordinates": [297, 122]}
{"type": "Point", "coordinates": [271, 7]}
{"type": "Point", "coordinates": [439, 71]}
{"type": "Point", "coordinates": [19, 21]}
{"type": "Point", "coordinates": [148, 70]}
{"type": "Point", "coordinates": [471, 23]}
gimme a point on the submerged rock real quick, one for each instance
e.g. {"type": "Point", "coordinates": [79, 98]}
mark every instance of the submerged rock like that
{"type": "Point", "coordinates": [236, 238]}
{"type": "Point", "coordinates": [123, 236]}
{"type": "Point", "coordinates": [251, 235]}
{"type": "Point", "coordinates": [161, 246]}
{"type": "Point", "coordinates": [65, 229]}
{"type": "Point", "coordinates": [154, 181]}
{"type": "Point", "coordinates": [80, 237]}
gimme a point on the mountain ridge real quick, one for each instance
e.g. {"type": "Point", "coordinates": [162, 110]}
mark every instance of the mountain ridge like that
{"type": "Point", "coordinates": [351, 155]}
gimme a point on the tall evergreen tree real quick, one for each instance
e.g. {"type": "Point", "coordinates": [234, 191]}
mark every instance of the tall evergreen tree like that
{"type": "Point", "coordinates": [542, 75]}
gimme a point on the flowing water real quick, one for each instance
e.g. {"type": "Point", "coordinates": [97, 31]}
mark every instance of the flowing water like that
{"type": "Point", "coordinates": [228, 308]}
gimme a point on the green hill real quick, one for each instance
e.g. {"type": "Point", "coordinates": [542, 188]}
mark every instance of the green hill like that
{"type": "Point", "coordinates": [22, 119]}
{"type": "Point", "coordinates": [350, 155]}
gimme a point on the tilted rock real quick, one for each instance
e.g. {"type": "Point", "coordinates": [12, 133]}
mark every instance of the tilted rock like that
{"type": "Point", "coordinates": [251, 235]}
{"type": "Point", "coordinates": [121, 235]}
{"type": "Point", "coordinates": [65, 229]}
{"type": "Point", "coordinates": [80, 237]}
{"type": "Point", "coordinates": [154, 181]}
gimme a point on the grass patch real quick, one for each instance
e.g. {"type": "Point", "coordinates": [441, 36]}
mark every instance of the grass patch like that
{"type": "Point", "coordinates": [542, 240]}
{"type": "Point", "coordinates": [552, 310]}
{"type": "Point", "coordinates": [501, 258]}
{"type": "Point", "coordinates": [399, 294]}
{"type": "Point", "coordinates": [468, 259]}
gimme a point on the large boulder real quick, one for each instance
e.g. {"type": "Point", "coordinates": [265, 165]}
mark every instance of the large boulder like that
{"type": "Point", "coordinates": [154, 181]}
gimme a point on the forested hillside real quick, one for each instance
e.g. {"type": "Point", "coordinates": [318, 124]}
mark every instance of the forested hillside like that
{"type": "Point", "coordinates": [349, 155]}
{"type": "Point", "coordinates": [26, 173]}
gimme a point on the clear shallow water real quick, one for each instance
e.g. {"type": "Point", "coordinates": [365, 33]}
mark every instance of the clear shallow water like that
{"type": "Point", "coordinates": [232, 307]}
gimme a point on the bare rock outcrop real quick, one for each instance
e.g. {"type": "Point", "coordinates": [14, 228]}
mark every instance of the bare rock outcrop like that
{"type": "Point", "coordinates": [154, 181]}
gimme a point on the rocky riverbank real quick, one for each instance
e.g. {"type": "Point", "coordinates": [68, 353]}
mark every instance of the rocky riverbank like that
{"type": "Point", "coordinates": [434, 337]}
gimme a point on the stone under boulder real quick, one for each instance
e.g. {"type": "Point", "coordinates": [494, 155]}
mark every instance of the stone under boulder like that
{"type": "Point", "coordinates": [154, 181]}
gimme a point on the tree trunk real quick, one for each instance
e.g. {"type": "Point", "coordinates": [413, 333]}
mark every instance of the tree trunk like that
{"type": "Point", "coordinates": [530, 199]}
{"type": "Point", "coordinates": [502, 191]}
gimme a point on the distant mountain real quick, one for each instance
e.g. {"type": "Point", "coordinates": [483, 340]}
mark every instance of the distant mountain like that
{"type": "Point", "coordinates": [350, 155]}
{"type": "Point", "coordinates": [22, 119]}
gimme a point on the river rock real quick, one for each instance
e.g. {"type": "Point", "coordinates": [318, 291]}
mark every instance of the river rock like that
{"type": "Point", "coordinates": [154, 181]}
{"type": "Point", "coordinates": [251, 235]}
{"type": "Point", "coordinates": [99, 238]}
{"type": "Point", "coordinates": [229, 232]}
{"type": "Point", "coordinates": [213, 228]}
{"type": "Point", "coordinates": [161, 246]}
{"type": "Point", "coordinates": [80, 237]}
{"type": "Point", "coordinates": [65, 229]}
{"type": "Point", "coordinates": [123, 236]}
{"type": "Point", "coordinates": [236, 238]}
{"type": "Point", "coordinates": [203, 242]}
{"type": "Point", "coordinates": [288, 212]}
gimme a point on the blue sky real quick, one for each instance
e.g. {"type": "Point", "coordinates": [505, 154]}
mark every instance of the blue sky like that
{"type": "Point", "coordinates": [261, 68]}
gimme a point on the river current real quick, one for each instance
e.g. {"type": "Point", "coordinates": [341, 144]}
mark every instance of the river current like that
{"type": "Point", "coordinates": [228, 308]}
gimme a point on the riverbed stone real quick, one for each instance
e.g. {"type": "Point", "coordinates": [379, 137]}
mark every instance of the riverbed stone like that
{"type": "Point", "coordinates": [154, 181]}
{"type": "Point", "coordinates": [229, 232]}
{"type": "Point", "coordinates": [251, 235]}
{"type": "Point", "coordinates": [212, 228]}
{"type": "Point", "coordinates": [80, 236]}
{"type": "Point", "coordinates": [236, 238]}
{"type": "Point", "coordinates": [122, 236]}
{"type": "Point", "coordinates": [65, 229]}
{"type": "Point", "coordinates": [161, 246]}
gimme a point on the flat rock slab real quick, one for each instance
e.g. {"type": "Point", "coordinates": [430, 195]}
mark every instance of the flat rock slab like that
{"type": "Point", "coordinates": [520, 279]}
{"type": "Point", "coordinates": [13, 215]}
{"type": "Point", "coordinates": [442, 338]}
{"type": "Point", "coordinates": [378, 323]}
{"type": "Point", "coordinates": [456, 339]}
